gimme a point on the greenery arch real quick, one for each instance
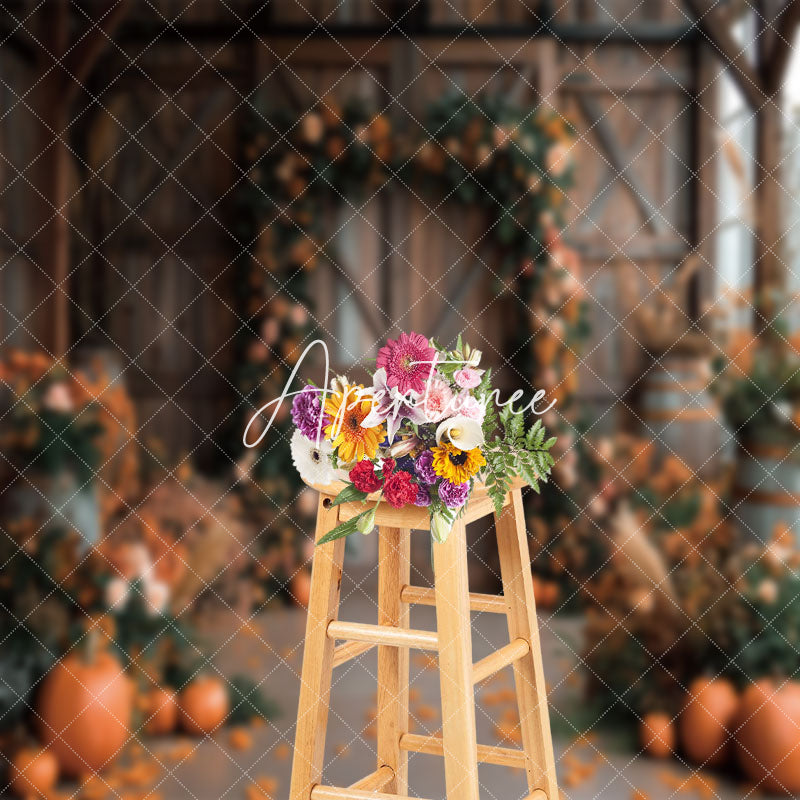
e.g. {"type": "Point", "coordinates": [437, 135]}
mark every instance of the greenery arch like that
{"type": "Point", "coordinates": [514, 163]}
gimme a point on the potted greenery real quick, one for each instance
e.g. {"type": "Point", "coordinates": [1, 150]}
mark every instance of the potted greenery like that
{"type": "Point", "coordinates": [760, 391]}
{"type": "Point", "coordinates": [48, 437]}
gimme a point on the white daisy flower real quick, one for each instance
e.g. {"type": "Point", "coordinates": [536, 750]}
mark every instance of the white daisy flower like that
{"type": "Point", "coordinates": [312, 462]}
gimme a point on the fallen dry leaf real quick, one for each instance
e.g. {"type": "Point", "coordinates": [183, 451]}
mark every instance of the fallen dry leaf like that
{"type": "Point", "coordinates": [240, 739]}
{"type": "Point", "coordinates": [264, 788]}
{"type": "Point", "coordinates": [426, 713]}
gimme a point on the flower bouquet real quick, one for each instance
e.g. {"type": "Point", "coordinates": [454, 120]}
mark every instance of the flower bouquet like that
{"type": "Point", "coordinates": [428, 429]}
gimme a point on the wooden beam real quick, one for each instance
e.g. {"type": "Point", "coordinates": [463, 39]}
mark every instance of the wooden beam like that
{"type": "Point", "coordinates": [357, 292]}
{"type": "Point", "coordinates": [421, 595]}
{"type": "Point", "coordinates": [525, 81]}
{"type": "Point", "coordinates": [787, 19]}
{"type": "Point", "coordinates": [83, 56]}
{"type": "Point", "coordinates": [718, 32]}
{"type": "Point", "coordinates": [515, 571]}
{"type": "Point", "coordinates": [487, 754]}
{"type": "Point", "coordinates": [375, 781]}
{"type": "Point", "coordinates": [278, 69]}
{"type": "Point", "coordinates": [494, 662]}
{"type": "Point", "coordinates": [383, 634]}
{"type": "Point", "coordinates": [351, 36]}
{"type": "Point", "coordinates": [315, 681]}
{"type": "Point", "coordinates": [334, 793]}
{"type": "Point", "coordinates": [785, 27]}
{"type": "Point", "coordinates": [54, 238]}
{"type": "Point", "coordinates": [455, 664]}
{"type": "Point", "coordinates": [394, 572]}
{"type": "Point", "coordinates": [459, 294]}
{"type": "Point", "coordinates": [608, 139]}
{"type": "Point", "coordinates": [16, 38]}
{"type": "Point", "coordinates": [350, 650]}
{"type": "Point", "coordinates": [194, 132]}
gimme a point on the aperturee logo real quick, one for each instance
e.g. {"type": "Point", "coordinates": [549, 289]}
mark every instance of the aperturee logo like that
{"type": "Point", "coordinates": [427, 431]}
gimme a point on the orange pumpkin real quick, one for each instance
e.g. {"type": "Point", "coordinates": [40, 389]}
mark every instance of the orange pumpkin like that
{"type": "Point", "coordinates": [161, 711]}
{"type": "Point", "coordinates": [300, 587]}
{"type": "Point", "coordinates": [768, 735]}
{"type": "Point", "coordinates": [706, 721]}
{"type": "Point", "coordinates": [203, 705]}
{"type": "Point", "coordinates": [657, 734]}
{"type": "Point", "coordinates": [33, 772]}
{"type": "Point", "coordinates": [85, 707]}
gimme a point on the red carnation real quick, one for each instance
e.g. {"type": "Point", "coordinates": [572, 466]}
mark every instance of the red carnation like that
{"type": "Point", "coordinates": [364, 478]}
{"type": "Point", "coordinates": [399, 490]}
{"type": "Point", "coordinates": [388, 466]}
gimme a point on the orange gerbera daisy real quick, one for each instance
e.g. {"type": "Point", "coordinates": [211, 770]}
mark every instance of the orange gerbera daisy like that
{"type": "Point", "coordinates": [347, 409]}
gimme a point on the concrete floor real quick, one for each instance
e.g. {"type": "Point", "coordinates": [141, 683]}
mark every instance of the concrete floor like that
{"type": "Point", "coordinates": [256, 765]}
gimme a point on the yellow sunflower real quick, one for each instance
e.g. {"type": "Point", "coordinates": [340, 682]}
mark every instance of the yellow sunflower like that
{"type": "Point", "coordinates": [456, 466]}
{"type": "Point", "coordinates": [346, 411]}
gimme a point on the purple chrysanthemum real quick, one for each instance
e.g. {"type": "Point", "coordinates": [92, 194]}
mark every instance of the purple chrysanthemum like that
{"type": "Point", "coordinates": [306, 412]}
{"type": "Point", "coordinates": [423, 496]}
{"type": "Point", "coordinates": [454, 495]}
{"type": "Point", "coordinates": [423, 466]}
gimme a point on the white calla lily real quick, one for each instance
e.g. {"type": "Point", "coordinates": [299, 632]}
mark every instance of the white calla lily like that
{"type": "Point", "coordinates": [462, 432]}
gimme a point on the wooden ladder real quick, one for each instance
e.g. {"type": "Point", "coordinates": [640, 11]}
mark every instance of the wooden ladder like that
{"type": "Point", "coordinates": [452, 641]}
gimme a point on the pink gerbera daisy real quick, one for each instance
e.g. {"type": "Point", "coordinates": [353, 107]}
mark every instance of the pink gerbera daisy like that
{"type": "Point", "coordinates": [408, 362]}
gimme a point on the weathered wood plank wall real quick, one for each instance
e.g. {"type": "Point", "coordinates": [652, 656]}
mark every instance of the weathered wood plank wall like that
{"type": "Point", "coordinates": [165, 152]}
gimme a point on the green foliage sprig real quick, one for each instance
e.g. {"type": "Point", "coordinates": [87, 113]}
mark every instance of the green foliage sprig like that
{"type": "Point", "coordinates": [517, 451]}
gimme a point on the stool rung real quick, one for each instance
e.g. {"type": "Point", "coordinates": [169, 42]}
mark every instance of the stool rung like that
{"type": "Point", "coordinates": [348, 651]}
{"type": "Point", "coordinates": [375, 781]}
{"type": "Point", "coordinates": [487, 753]}
{"type": "Point", "coordinates": [383, 634]}
{"type": "Point", "coordinates": [420, 595]}
{"type": "Point", "coordinates": [333, 793]}
{"type": "Point", "coordinates": [494, 662]}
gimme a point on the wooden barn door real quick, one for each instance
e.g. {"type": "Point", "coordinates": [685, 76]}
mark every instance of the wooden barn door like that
{"type": "Point", "coordinates": [631, 209]}
{"type": "Point", "coordinates": [407, 260]}
{"type": "Point", "coordinates": [161, 207]}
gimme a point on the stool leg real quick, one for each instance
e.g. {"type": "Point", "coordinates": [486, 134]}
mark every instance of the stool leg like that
{"type": "Point", "coordinates": [455, 665]}
{"type": "Point", "coordinates": [515, 569]}
{"type": "Point", "coordinates": [315, 682]}
{"type": "Point", "coordinates": [394, 572]}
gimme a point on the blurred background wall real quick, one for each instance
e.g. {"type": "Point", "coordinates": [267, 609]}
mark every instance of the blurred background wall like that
{"type": "Point", "coordinates": [600, 196]}
{"type": "Point", "coordinates": [154, 162]}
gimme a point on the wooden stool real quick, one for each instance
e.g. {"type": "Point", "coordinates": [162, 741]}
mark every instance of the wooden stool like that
{"type": "Point", "coordinates": [452, 641]}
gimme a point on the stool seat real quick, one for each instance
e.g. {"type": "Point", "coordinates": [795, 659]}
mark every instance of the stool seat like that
{"type": "Point", "coordinates": [450, 643]}
{"type": "Point", "coordinates": [413, 517]}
